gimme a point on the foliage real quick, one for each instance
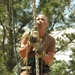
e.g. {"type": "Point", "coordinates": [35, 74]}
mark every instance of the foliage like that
{"type": "Point", "coordinates": [2, 66]}
{"type": "Point", "coordinates": [59, 68]}
{"type": "Point", "coordinates": [16, 16]}
{"type": "Point", "coordinates": [54, 10]}
{"type": "Point", "coordinates": [72, 61]}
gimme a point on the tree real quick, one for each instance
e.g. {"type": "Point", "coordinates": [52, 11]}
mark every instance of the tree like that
{"type": "Point", "coordinates": [15, 15]}
{"type": "Point", "coordinates": [59, 68]}
{"type": "Point", "coordinates": [54, 10]}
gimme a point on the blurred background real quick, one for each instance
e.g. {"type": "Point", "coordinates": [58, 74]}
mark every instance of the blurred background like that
{"type": "Point", "coordinates": [16, 16]}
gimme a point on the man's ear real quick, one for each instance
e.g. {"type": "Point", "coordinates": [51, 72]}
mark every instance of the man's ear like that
{"type": "Point", "coordinates": [47, 23]}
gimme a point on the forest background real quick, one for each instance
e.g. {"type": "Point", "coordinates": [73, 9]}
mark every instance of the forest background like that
{"type": "Point", "coordinates": [16, 18]}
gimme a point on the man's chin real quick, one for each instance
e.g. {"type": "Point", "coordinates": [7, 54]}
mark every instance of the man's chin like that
{"type": "Point", "coordinates": [39, 26]}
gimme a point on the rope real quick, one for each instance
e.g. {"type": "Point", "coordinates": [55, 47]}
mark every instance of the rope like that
{"type": "Point", "coordinates": [27, 57]}
{"type": "Point", "coordinates": [34, 11]}
{"type": "Point", "coordinates": [36, 29]}
{"type": "Point", "coordinates": [36, 54]}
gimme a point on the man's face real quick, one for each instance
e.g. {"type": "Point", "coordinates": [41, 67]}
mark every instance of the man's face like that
{"type": "Point", "coordinates": [42, 23]}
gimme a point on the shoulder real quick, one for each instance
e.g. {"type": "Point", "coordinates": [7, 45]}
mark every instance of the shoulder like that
{"type": "Point", "coordinates": [50, 40]}
{"type": "Point", "coordinates": [50, 37]}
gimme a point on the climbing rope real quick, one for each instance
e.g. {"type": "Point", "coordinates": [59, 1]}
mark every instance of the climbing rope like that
{"type": "Point", "coordinates": [36, 54]}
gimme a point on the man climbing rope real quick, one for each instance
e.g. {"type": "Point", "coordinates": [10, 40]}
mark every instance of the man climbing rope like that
{"type": "Point", "coordinates": [46, 49]}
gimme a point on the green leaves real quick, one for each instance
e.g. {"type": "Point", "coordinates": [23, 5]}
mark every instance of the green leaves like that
{"type": "Point", "coordinates": [59, 68]}
{"type": "Point", "coordinates": [22, 17]}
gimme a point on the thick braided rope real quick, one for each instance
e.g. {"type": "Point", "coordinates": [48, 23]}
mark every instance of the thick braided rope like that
{"type": "Point", "coordinates": [36, 54]}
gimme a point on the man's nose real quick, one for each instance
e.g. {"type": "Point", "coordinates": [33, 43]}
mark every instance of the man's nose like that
{"type": "Point", "coordinates": [40, 21]}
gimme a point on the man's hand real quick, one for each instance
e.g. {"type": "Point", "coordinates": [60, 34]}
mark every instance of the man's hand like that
{"type": "Point", "coordinates": [42, 54]}
{"type": "Point", "coordinates": [41, 51]}
{"type": "Point", "coordinates": [33, 39]}
{"type": "Point", "coordinates": [34, 36]}
{"type": "Point", "coordinates": [36, 46]}
{"type": "Point", "coordinates": [36, 43]}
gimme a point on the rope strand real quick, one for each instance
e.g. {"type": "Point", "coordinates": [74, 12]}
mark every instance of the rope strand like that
{"type": "Point", "coordinates": [36, 54]}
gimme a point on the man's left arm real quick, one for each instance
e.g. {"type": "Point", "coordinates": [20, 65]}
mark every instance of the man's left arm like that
{"type": "Point", "coordinates": [49, 56]}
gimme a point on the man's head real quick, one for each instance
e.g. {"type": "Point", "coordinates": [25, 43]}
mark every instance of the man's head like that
{"type": "Point", "coordinates": [42, 23]}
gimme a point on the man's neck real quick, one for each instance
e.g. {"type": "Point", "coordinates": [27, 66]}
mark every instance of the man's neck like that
{"type": "Point", "coordinates": [42, 34]}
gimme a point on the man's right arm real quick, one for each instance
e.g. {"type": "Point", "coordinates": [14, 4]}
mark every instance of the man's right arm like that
{"type": "Point", "coordinates": [24, 47]}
